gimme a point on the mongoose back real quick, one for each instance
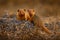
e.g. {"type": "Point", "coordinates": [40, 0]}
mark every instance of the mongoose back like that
{"type": "Point", "coordinates": [37, 21]}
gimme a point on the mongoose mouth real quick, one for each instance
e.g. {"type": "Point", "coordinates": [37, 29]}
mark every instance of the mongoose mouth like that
{"type": "Point", "coordinates": [21, 15]}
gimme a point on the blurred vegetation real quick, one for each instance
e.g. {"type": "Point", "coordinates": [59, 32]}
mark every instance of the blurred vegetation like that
{"type": "Point", "coordinates": [42, 7]}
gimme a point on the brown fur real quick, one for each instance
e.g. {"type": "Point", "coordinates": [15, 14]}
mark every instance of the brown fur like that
{"type": "Point", "coordinates": [29, 15]}
{"type": "Point", "coordinates": [37, 21]}
{"type": "Point", "coordinates": [22, 14]}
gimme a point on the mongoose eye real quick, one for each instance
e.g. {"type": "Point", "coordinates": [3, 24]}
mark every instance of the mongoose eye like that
{"type": "Point", "coordinates": [24, 9]}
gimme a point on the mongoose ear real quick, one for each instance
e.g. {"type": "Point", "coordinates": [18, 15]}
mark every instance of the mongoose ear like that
{"type": "Point", "coordinates": [24, 9]}
{"type": "Point", "coordinates": [18, 10]}
{"type": "Point", "coordinates": [21, 9]}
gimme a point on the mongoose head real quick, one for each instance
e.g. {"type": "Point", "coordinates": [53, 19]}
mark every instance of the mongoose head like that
{"type": "Point", "coordinates": [21, 12]}
{"type": "Point", "coordinates": [31, 12]}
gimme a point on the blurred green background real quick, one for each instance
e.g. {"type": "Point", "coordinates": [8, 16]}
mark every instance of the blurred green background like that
{"type": "Point", "coordinates": [42, 7]}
